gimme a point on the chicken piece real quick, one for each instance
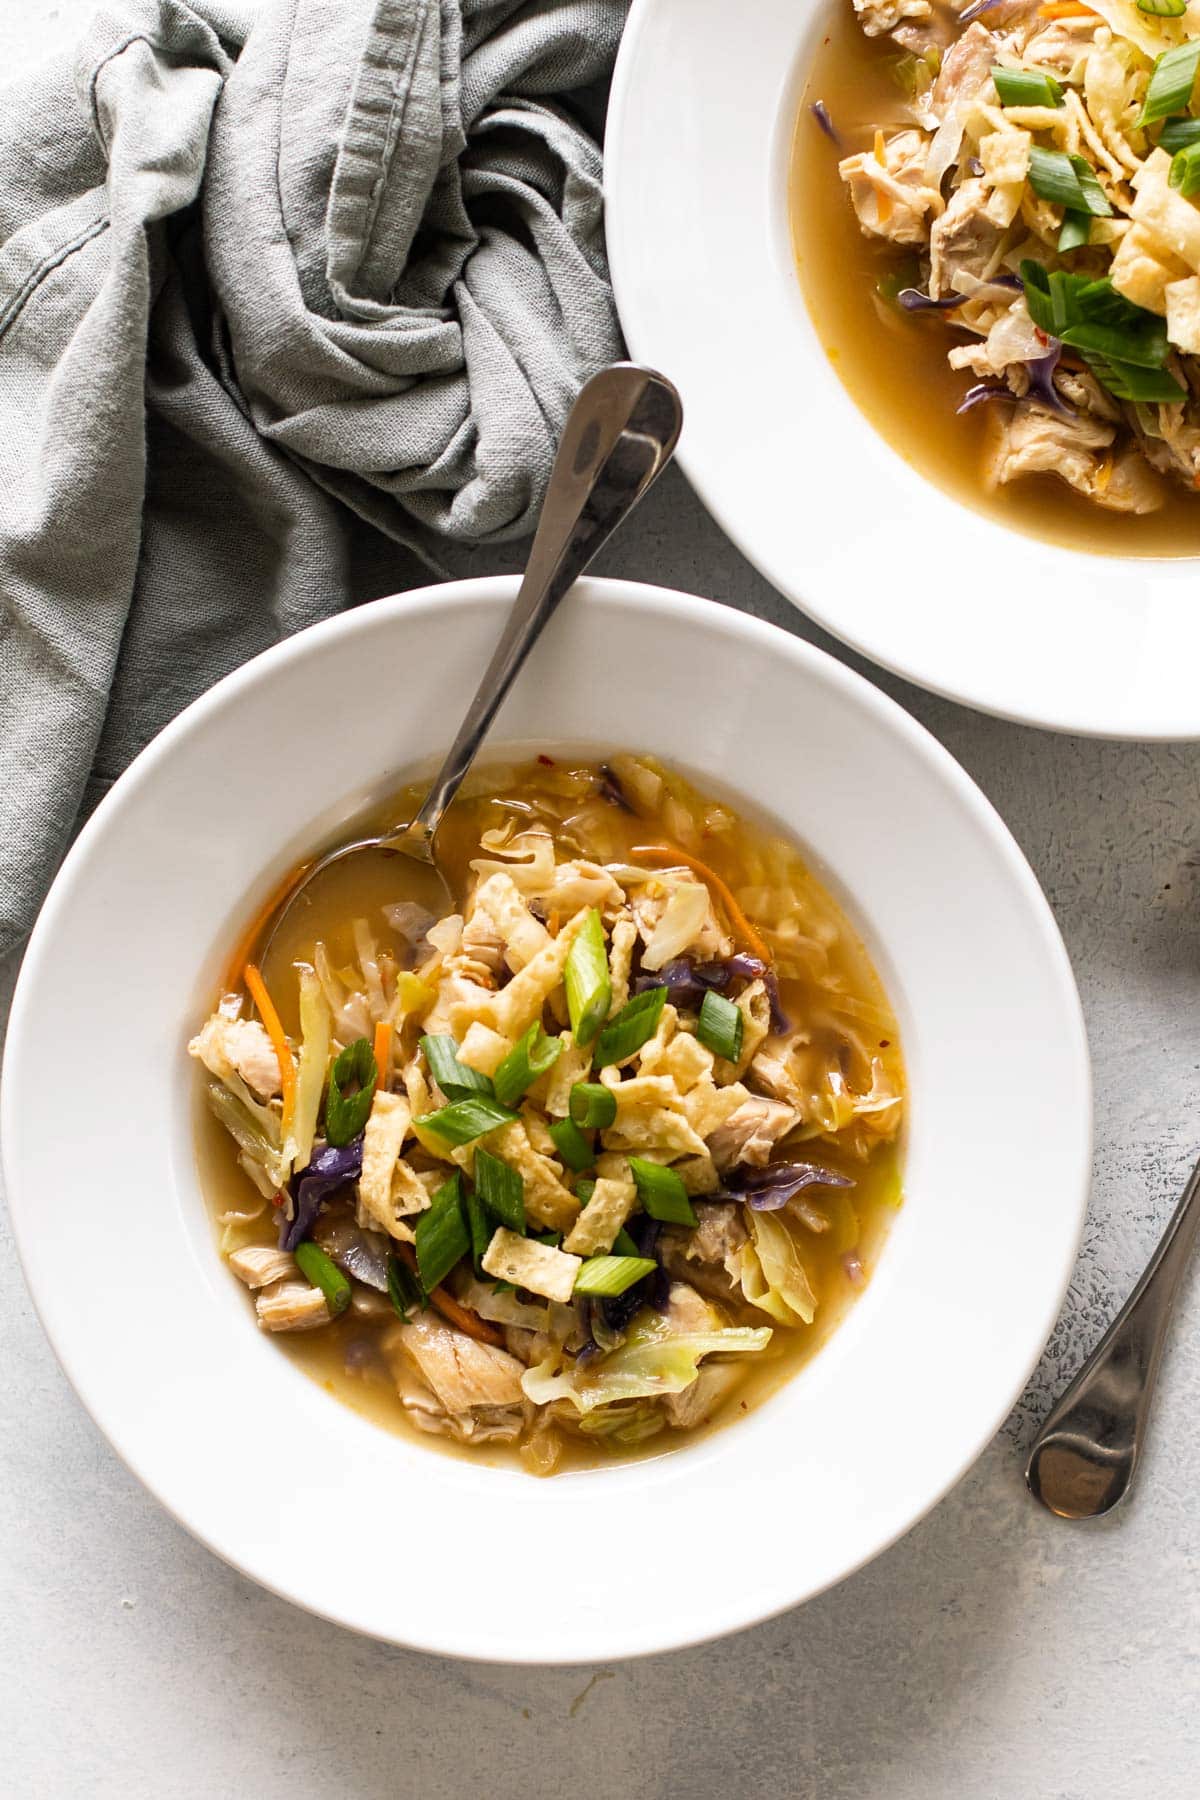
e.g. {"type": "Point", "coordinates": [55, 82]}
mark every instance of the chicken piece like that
{"type": "Point", "coordinates": [889, 192]}
{"type": "Point", "coordinates": [967, 237]}
{"type": "Point", "coordinates": [1085, 394]}
{"type": "Point", "coordinates": [750, 1134]}
{"type": "Point", "coordinates": [1177, 451]}
{"type": "Point", "coordinates": [238, 1046]}
{"type": "Point", "coordinates": [581, 884]}
{"type": "Point", "coordinates": [688, 1312]}
{"type": "Point", "coordinates": [1032, 441]}
{"type": "Point", "coordinates": [966, 70]}
{"type": "Point", "coordinates": [1059, 47]}
{"type": "Point", "coordinates": [878, 17]}
{"type": "Point", "coordinates": [698, 1403]}
{"type": "Point", "coordinates": [539, 1268]}
{"type": "Point", "coordinates": [291, 1306]}
{"type": "Point", "coordinates": [708, 1257]}
{"type": "Point", "coordinates": [479, 1425]}
{"type": "Point", "coordinates": [461, 1373]}
{"type": "Point", "coordinates": [258, 1265]}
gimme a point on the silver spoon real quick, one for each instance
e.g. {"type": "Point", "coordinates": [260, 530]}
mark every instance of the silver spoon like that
{"type": "Point", "coordinates": [619, 437]}
{"type": "Point", "coordinates": [1084, 1458]}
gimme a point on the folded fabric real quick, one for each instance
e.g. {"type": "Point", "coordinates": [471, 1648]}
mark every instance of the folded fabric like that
{"type": "Point", "coordinates": [275, 279]}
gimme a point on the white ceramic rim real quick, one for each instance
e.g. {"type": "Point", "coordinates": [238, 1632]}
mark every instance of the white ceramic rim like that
{"type": "Point", "coordinates": [700, 125]}
{"type": "Point", "coordinates": [115, 1414]}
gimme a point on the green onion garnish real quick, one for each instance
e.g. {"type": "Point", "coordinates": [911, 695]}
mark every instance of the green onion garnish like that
{"type": "Point", "coordinates": [573, 1148]}
{"type": "Point", "coordinates": [464, 1120]}
{"type": "Point", "coordinates": [501, 1189]}
{"type": "Point", "coordinates": [479, 1227]}
{"type": "Point", "coordinates": [1171, 82]}
{"type": "Point", "coordinates": [592, 1106]}
{"type": "Point", "coordinates": [351, 1091]}
{"type": "Point", "coordinates": [456, 1080]}
{"type": "Point", "coordinates": [530, 1057]}
{"type": "Point", "coordinates": [633, 1026]}
{"type": "Point", "coordinates": [442, 1235]}
{"type": "Point", "coordinates": [404, 1290]}
{"type": "Point", "coordinates": [584, 1190]}
{"type": "Point", "coordinates": [1068, 181]}
{"type": "Point", "coordinates": [608, 1276]}
{"type": "Point", "coordinates": [719, 1026]}
{"type": "Point", "coordinates": [1163, 9]}
{"type": "Point", "coordinates": [589, 989]}
{"type": "Point", "coordinates": [1076, 229]}
{"type": "Point", "coordinates": [661, 1192]}
{"type": "Point", "coordinates": [1128, 382]}
{"type": "Point", "coordinates": [323, 1273]}
{"type": "Point", "coordinates": [1023, 87]}
{"type": "Point", "coordinates": [1185, 170]}
{"type": "Point", "coordinates": [1124, 345]}
{"type": "Point", "coordinates": [1178, 133]}
{"type": "Point", "coordinates": [623, 1244]}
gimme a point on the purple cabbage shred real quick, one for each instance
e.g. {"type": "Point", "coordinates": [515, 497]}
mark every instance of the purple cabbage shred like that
{"type": "Point", "coordinates": [820, 113]}
{"type": "Point", "coordinates": [984, 390]}
{"type": "Point", "coordinates": [1041, 381]}
{"type": "Point", "coordinates": [766, 1190]}
{"type": "Point", "coordinates": [331, 1168]}
{"type": "Point", "coordinates": [913, 300]}
{"type": "Point", "coordinates": [611, 789]}
{"type": "Point", "coordinates": [976, 10]}
{"type": "Point", "coordinates": [687, 982]}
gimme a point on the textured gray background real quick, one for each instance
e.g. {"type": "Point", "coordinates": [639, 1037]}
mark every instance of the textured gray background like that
{"type": "Point", "coordinates": [995, 1654]}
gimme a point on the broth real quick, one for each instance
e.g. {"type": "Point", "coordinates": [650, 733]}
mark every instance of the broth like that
{"type": "Point", "coordinates": [826, 958]}
{"type": "Point", "coordinates": [893, 364]}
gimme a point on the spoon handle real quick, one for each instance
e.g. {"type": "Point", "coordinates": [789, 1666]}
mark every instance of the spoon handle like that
{"type": "Point", "coordinates": [1084, 1457]}
{"type": "Point", "coordinates": [619, 436]}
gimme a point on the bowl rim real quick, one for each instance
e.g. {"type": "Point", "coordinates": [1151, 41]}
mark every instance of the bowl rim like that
{"type": "Point", "coordinates": [1133, 690]}
{"type": "Point", "coordinates": [496, 590]}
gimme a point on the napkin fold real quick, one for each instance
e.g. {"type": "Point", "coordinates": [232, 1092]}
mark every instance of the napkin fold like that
{"type": "Point", "coordinates": [283, 284]}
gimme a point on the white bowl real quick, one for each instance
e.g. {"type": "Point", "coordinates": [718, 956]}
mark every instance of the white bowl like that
{"type": "Point", "coordinates": [382, 1533]}
{"type": "Point", "coordinates": [699, 134]}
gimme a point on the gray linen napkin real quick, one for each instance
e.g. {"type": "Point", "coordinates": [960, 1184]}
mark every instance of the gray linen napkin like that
{"type": "Point", "coordinates": [276, 276]}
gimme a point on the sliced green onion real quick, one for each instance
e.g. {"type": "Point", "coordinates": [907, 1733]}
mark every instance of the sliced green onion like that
{"type": "Point", "coordinates": [584, 1190]}
{"type": "Point", "coordinates": [346, 1112]}
{"type": "Point", "coordinates": [633, 1026]}
{"type": "Point", "coordinates": [404, 1290]}
{"type": "Point", "coordinates": [589, 987]}
{"type": "Point", "coordinates": [1025, 87]}
{"type": "Point", "coordinates": [530, 1057]}
{"type": "Point", "coordinates": [1185, 170]}
{"type": "Point", "coordinates": [623, 1244]}
{"type": "Point", "coordinates": [479, 1226]}
{"type": "Point", "coordinates": [323, 1273]}
{"type": "Point", "coordinates": [464, 1120]}
{"type": "Point", "coordinates": [553, 1238]}
{"type": "Point", "coordinates": [456, 1080]}
{"type": "Point", "coordinates": [1068, 181]}
{"type": "Point", "coordinates": [1171, 82]}
{"type": "Point", "coordinates": [1129, 382]}
{"type": "Point", "coordinates": [719, 1026]}
{"type": "Point", "coordinates": [608, 1276]}
{"type": "Point", "coordinates": [1178, 133]}
{"type": "Point", "coordinates": [501, 1189]}
{"type": "Point", "coordinates": [442, 1235]}
{"type": "Point", "coordinates": [661, 1192]}
{"type": "Point", "coordinates": [592, 1106]}
{"type": "Point", "coordinates": [573, 1148]}
{"type": "Point", "coordinates": [1076, 229]}
{"type": "Point", "coordinates": [1163, 9]}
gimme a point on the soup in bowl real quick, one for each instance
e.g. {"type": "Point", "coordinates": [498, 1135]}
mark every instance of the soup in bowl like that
{"type": "Point", "coordinates": [583, 1167]}
{"type": "Point", "coordinates": [446, 1544]}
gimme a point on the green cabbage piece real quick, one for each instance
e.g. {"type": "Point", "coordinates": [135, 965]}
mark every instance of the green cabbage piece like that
{"type": "Point", "coordinates": [772, 1276]}
{"type": "Point", "coordinates": [254, 1128]}
{"type": "Point", "coordinates": [652, 1361]}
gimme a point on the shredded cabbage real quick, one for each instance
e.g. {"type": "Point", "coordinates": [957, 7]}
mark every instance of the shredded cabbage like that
{"type": "Point", "coordinates": [771, 1273]}
{"type": "Point", "coordinates": [652, 1361]}
{"type": "Point", "coordinates": [254, 1128]}
{"type": "Point", "coordinates": [683, 920]}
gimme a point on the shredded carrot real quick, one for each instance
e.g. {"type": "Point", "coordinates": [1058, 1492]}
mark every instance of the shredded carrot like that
{"type": "Point", "coordinates": [879, 146]}
{"type": "Point", "coordinates": [383, 1051]}
{"type": "Point", "coordinates": [1065, 9]}
{"type": "Point", "coordinates": [249, 938]}
{"type": "Point", "coordinates": [283, 1050]}
{"type": "Point", "coordinates": [733, 912]}
{"type": "Point", "coordinates": [449, 1308]}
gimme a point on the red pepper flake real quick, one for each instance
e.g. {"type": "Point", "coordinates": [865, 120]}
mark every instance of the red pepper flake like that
{"type": "Point", "coordinates": [276, 1199]}
{"type": "Point", "coordinates": [1040, 335]}
{"type": "Point", "coordinates": [546, 761]}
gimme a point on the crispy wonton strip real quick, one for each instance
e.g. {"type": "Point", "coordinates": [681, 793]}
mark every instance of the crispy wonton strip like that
{"type": "Point", "coordinates": [449, 1308]}
{"type": "Point", "coordinates": [283, 1050]}
{"type": "Point", "coordinates": [734, 913]}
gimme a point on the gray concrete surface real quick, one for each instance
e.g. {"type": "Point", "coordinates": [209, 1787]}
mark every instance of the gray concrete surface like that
{"type": "Point", "coordinates": [994, 1654]}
